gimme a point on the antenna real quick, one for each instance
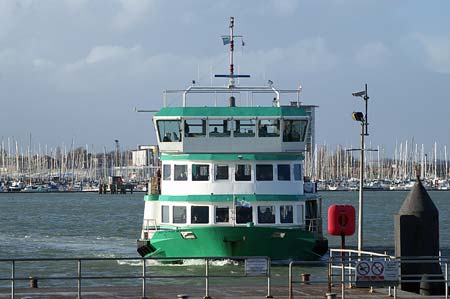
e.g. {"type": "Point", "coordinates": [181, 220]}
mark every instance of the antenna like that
{"type": "Point", "coordinates": [229, 39]}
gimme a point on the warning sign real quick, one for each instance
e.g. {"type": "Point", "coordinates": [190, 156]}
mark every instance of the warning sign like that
{"type": "Point", "coordinates": [376, 273]}
{"type": "Point", "coordinates": [256, 267]}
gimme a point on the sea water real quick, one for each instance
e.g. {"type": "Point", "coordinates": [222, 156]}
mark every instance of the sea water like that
{"type": "Point", "coordinates": [90, 225]}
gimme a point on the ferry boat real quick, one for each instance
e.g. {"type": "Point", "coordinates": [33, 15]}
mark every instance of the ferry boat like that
{"type": "Point", "coordinates": [231, 180]}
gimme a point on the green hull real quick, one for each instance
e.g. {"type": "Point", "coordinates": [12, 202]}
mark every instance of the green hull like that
{"type": "Point", "coordinates": [224, 241]}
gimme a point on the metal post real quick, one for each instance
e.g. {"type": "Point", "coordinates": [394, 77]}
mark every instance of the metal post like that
{"type": "Point", "coordinates": [290, 281]}
{"type": "Point", "coordinates": [13, 270]}
{"type": "Point", "coordinates": [349, 270]}
{"type": "Point", "coordinates": [330, 260]}
{"type": "Point", "coordinates": [79, 279]}
{"type": "Point", "coordinates": [361, 185]}
{"type": "Point", "coordinates": [366, 98]}
{"type": "Point", "coordinates": [269, 292]}
{"type": "Point", "coordinates": [207, 280]}
{"type": "Point", "coordinates": [144, 296]}
{"type": "Point", "coordinates": [446, 280]}
{"type": "Point", "coordinates": [343, 280]}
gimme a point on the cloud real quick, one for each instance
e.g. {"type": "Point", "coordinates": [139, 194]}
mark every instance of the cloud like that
{"type": "Point", "coordinates": [309, 55]}
{"type": "Point", "coordinates": [132, 12]}
{"type": "Point", "coordinates": [284, 8]}
{"type": "Point", "coordinates": [372, 54]}
{"type": "Point", "coordinates": [99, 54]}
{"type": "Point", "coordinates": [41, 63]}
{"type": "Point", "coordinates": [437, 52]}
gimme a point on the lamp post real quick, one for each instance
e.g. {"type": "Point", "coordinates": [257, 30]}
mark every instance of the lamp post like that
{"type": "Point", "coordinates": [358, 116]}
{"type": "Point", "coordinates": [362, 118]}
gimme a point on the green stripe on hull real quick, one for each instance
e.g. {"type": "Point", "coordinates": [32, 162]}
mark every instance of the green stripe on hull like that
{"type": "Point", "coordinates": [229, 197]}
{"type": "Point", "coordinates": [276, 243]}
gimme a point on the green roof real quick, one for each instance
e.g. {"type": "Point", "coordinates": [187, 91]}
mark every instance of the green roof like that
{"type": "Point", "coordinates": [232, 111]}
{"type": "Point", "coordinates": [233, 157]}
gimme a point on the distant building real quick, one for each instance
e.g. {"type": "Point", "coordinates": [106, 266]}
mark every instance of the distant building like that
{"type": "Point", "coordinates": [145, 155]}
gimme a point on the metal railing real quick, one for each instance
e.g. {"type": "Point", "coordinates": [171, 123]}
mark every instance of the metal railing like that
{"type": "Point", "coordinates": [143, 276]}
{"type": "Point", "coordinates": [342, 264]}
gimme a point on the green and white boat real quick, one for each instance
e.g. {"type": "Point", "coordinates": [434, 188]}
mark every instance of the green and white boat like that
{"type": "Point", "coordinates": [231, 179]}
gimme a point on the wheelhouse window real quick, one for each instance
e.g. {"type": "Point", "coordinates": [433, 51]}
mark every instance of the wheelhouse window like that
{"type": "Point", "coordinates": [180, 172]}
{"type": "Point", "coordinates": [219, 128]}
{"type": "Point", "coordinates": [221, 172]}
{"type": "Point", "coordinates": [199, 214]}
{"type": "Point", "coordinates": [222, 215]}
{"type": "Point", "coordinates": [243, 172]}
{"type": "Point", "coordinates": [264, 172]}
{"type": "Point", "coordinates": [244, 214]}
{"type": "Point", "coordinates": [200, 172]}
{"type": "Point", "coordinates": [294, 130]}
{"type": "Point", "coordinates": [165, 214]}
{"type": "Point", "coordinates": [286, 214]}
{"type": "Point", "coordinates": [245, 128]}
{"type": "Point", "coordinates": [195, 128]}
{"type": "Point", "coordinates": [297, 172]}
{"type": "Point", "coordinates": [284, 172]}
{"type": "Point", "coordinates": [169, 130]}
{"type": "Point", "coordinates": [269, 128]}
{"type": "Point", "coordinates": [266, 214]}
{"type": "Point", "coordinates": [179, 214]}
{"type": "Point", "coordinates": [167, 173]}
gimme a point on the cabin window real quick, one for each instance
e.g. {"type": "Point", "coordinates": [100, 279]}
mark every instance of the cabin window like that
{"type": "Point", "coordinates": [180, 172]}
{"type": "Point", "coordinates": [243, 172]}
{"type": "Point", "coordinates": [244, 214]}
{"type": "Point", "coordinates": [222, 215]}
{"type": "Point", "coordinates": [245, 128]}
{"type": "Point", "coordinates": [167, 173]}
{"type": "Point", "coordinates": [286, 214]}
{"type": "Point", "coordinates": [165, 214]}
{"type": "Point", "coordinates": [294, 130]}
{"type": "Point", "coordinates": [199, 214]}
{"type": "Point", "coordinates": [200, 172]}
{"type": "Point", "coordinates": [300, 214]}
{"type": "Point", "coordinates": [179, 214]}
{"type": "Point", "coordinates": [264, 172]}
{"type": "Point", "coordinates": [219, 128]}
{"type": "Point", "coordinates": [169, 130]}
{"type": "Point", "coordinates": [284, 172]}
{"type": "Point", "coordinates": [297, 172]}
{"type": "Point", "coordinates": [269, 128]}
{"type": "Point", "coordinates": [195, 128]}
{"type": "Point", "coordinates": [222, 172]}
{"type": "Point", "coordinates": [266, 214]}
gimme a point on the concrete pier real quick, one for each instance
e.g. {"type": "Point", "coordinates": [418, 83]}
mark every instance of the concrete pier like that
{"type": "Point", "coordinates": [168, 291]}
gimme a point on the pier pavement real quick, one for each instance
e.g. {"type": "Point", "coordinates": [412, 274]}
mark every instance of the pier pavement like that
{"type": "Point", "coordinates": [312, 291]}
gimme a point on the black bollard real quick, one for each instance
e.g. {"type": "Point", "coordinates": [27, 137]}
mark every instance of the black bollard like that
{"type": "Point", "coordinates": [417, 234]}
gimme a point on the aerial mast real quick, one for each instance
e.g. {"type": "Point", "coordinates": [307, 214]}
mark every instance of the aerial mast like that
{"type": "Point", "coordinates": [231, 51]}
{"type": "Point", "coordinates": [229, 39]}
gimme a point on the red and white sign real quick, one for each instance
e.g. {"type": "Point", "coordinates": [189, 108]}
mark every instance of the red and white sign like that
{"type": "Point", "coordinates": [376, 273]}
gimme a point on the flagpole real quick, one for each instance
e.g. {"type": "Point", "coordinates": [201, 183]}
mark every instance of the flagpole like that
{"type": "Point", "coordinates": [231, 51]}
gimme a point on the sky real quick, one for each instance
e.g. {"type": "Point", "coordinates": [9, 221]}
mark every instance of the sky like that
{"type": "Point", "coordinates": [76, 69]}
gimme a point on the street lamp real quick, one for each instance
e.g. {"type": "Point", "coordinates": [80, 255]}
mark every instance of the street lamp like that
{"type": "Point", "coordinates": [359, 116]}
{"type": "Point", "coordinates": [362, 118]}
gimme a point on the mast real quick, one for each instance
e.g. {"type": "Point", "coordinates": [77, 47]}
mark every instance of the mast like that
{"type": "Point", "coordinates": [231, 51]}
